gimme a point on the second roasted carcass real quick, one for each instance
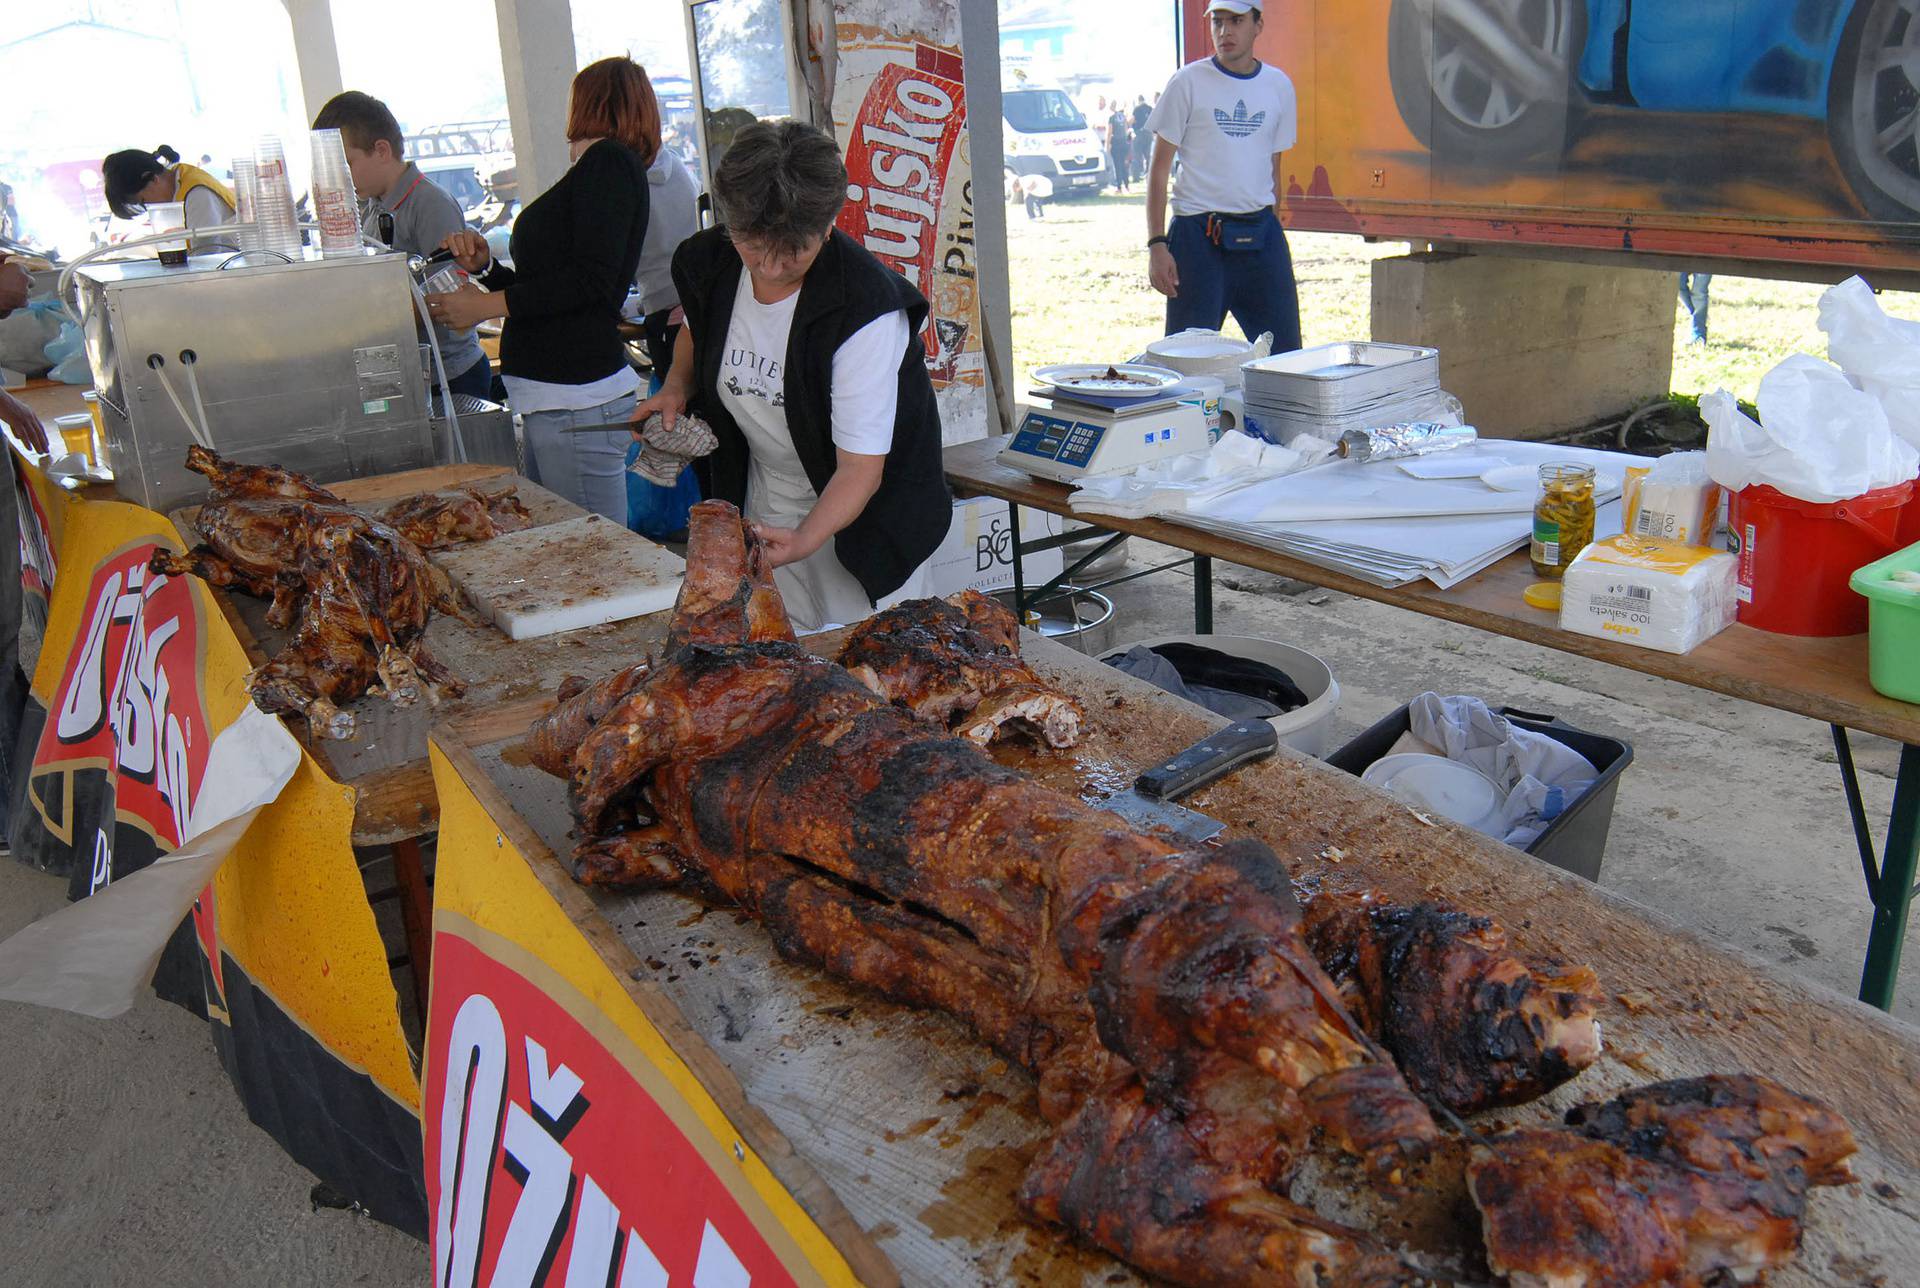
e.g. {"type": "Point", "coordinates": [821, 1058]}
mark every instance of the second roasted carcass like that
{"type": "Point", "coordinates": [956, 662]}
{"type": "Point", "coordinates": [356, 592]}
{"type": "Point", "coordinates": [458, 515]}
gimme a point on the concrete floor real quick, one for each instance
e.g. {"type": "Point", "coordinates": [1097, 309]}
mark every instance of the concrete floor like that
{"type": "Point", "coordinates": [131, 1161]}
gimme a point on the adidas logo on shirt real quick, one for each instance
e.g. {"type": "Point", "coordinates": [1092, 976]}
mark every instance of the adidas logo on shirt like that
{"type": "Point", "coordinates": [1239, 125]}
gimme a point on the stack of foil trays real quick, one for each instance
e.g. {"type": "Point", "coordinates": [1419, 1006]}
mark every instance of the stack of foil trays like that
{"type": "Point", "coordinates": [1331, 389]}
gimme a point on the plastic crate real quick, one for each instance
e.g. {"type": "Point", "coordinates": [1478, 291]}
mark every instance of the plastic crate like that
{"type": "Point", "coordinates": [1574, 842]}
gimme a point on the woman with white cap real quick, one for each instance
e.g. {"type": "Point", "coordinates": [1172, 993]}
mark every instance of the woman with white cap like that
{"type": "Point", "coordinates": [1229, 118]}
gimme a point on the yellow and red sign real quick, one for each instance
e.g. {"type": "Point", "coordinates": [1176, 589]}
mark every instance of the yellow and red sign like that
{"type": "Point", "coordinates": [135, 677]}
{"type": "Point", "coordinates": [566, 1139]}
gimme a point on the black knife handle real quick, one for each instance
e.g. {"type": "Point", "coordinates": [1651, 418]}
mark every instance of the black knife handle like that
{"type": "Point", "coordinates": [1208, 759]}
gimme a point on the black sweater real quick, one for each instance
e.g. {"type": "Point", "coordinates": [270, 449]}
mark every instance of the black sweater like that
{"type": "Point", "coordinates": [846, 288]}
{"type": "Point", "coordinates": [575, 248]}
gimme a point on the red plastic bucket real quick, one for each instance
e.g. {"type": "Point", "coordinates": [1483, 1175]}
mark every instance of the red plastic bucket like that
{"type": "Point", "coordinates": [1796, 557]}
{"type": "Point", "coordinates": [1909, 533]}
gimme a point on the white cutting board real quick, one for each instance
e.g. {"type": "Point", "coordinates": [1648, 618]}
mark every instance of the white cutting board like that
{"type": "Point", "coordinates": [563, 576]}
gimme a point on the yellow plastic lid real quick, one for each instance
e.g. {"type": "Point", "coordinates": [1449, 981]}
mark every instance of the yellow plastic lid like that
{"type": "Point", "coordinates": [1543, 594]}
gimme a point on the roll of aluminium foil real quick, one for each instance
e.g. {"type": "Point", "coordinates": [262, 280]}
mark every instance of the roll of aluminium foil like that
{"type": "Point", "coordinates": [1414, 438]}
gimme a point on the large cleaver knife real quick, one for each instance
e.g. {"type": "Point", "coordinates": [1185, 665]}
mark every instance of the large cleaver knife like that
{"type": "Point", "coordinates": [1149, 802]}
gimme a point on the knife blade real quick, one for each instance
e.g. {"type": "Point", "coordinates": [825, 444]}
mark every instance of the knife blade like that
{"type": "Point", "coordinates": [1149, 802]}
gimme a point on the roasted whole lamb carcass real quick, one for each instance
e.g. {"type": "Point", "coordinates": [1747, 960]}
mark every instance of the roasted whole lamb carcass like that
{"type": "Point", "coordinates": [1692, 1183]}
{"type": "Point", "coordinates": [956, 662]}
{"type": "Point", "coordinates": [356, 592]}
{"type": "Point", "coordinates": [456, 516]}
{"type": "Point", "coordinates": [1198, 1039]}
{"type": "Point", "coordinates": [1129, 975]}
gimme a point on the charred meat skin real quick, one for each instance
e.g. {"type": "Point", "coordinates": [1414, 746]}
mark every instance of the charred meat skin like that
{"type": "Point", "coordinates": [456, 516]}
{"type": "Point", "coordinates": [1690, 1183]}
{"type": "Point", "coordinates": [1132, 1177]}
{"type": "Point", "coordinates": [1471, 1025]}
{"type": "Point", "coordinates": [956, 662]}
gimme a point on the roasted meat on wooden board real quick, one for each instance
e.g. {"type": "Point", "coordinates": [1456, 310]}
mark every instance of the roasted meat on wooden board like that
{"type": "Point", "coordinates": [356, 592]}
{"type": "Point", "coordinates": [1692, 1183]}
{"type": "Point", "coordinates": [1198, 1038]}
{"type": "Point", "coordinates": [956, 662]}
{"type": "Point", "coordinates": [458, 515]}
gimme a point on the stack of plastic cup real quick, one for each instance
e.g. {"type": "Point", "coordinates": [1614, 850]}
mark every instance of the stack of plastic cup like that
{"type": "Point", "coordinates": [246, 193]}
{"type": "Point", "coordinates": [273, 199]}
{"type": "Point", "coordinates": [336, 207]}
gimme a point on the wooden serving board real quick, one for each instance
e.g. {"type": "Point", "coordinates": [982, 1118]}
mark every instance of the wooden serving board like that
{"type": "Point", "coordinates": [584, 571]}
{"type": "Point", "coordinates": [924, 1133]}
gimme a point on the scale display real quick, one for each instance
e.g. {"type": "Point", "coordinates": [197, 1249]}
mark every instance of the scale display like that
{"type": "Point", "coordinates": [1087, 441]}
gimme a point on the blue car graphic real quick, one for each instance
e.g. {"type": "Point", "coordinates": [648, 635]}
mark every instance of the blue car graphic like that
{"type": "Point", "coordinates": [1508, 80]}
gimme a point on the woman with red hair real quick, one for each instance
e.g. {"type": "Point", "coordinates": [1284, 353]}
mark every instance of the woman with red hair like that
{"type": "Point", "coordinates": [574, 251]}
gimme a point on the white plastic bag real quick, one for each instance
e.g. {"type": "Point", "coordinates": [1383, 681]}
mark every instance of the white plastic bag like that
{"type": "Point", "coordinates": [1818, 438]}
{"type": "Point", "coordinates": [1880, 354]}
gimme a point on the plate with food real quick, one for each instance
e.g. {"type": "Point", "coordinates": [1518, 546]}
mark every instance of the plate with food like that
{"type": "Point", "coordinates": [1108, 381]}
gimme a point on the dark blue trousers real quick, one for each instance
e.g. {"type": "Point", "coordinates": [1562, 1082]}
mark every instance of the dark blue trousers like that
{"type": "Point", "coordinates": [1256, 287]}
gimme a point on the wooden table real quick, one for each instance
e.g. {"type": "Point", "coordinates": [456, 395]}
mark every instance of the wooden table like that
{"type": "Point", "coordinates": [1825, 679]}
{"type": "Point", "coordinates": [923, 1134]}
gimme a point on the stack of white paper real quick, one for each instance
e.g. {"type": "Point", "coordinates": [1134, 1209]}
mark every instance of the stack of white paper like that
{"type": "Point", "coordinates": [1390, 523]}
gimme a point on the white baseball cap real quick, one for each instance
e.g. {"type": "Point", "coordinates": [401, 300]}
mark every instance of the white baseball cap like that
{"type": "Point", "coordinates": [1234, 6]}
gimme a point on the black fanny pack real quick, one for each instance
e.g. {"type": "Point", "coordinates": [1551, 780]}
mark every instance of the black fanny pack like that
{"type": "Point", "coordinates": [1241, 234]}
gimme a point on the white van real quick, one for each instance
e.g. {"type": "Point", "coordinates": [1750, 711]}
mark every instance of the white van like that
{"type": "Point", "coordinates": [1046, 134]}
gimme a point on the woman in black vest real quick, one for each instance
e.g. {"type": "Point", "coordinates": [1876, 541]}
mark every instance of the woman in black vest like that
{"type": "Point", "coordinates": [803, 352]}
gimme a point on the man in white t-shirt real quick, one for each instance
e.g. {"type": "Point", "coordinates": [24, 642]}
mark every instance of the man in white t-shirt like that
{"type": "Point", "coordinates": [1229, 118]}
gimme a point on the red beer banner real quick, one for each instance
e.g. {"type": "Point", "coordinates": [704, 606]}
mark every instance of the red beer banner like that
{"type": "Point", "coordinates": [128, 702]}
{"type": "Point", "coordinates": [898, 163]}
{"type": "Point", "coordinates": [547, 1162]}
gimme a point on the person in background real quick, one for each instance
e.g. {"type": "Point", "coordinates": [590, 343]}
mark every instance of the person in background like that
{"type": "Point", "coordinates": [1142, 137]}
{"type": "Point", "coordinates": [1038, 191]}
{"type": "Point", "coordinates": [421, 216]}
{"type": "Point", "coordinates": [803, 352]}
{"type": "Point", "coordinates": [15, 286]}
{"type": "Point", "coordinates": [673, 215]}
{"type": "Point", "coordinates": [1229, 118]}
{"type": "Point", "coordinates": [1693, 298]}
{"type": "Point", "coordinates": [1119, 147]}
{"type": "Point", "coordinates": [134, 180]}
{"type": "Point", "coordinates": [575, 250]}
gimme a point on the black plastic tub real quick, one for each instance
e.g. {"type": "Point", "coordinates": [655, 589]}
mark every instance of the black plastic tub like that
{"type": "Point", "coordinates": [1573, 842]}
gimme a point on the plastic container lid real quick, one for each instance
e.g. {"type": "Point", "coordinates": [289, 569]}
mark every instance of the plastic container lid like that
{"type": "Point", "coordinates": [1460, 792]}
{"type": "Point", "coordinates": [1185, 345]}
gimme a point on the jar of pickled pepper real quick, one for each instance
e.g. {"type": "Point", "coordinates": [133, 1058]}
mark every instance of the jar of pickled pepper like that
{"type": "Point", "coordinates": [1562, 518]}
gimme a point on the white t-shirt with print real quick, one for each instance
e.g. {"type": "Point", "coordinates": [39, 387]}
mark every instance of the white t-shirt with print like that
{"type": "Point", "coordinates": [818, 590]}
{"type": "Point", "coordinates": [1228, 129]}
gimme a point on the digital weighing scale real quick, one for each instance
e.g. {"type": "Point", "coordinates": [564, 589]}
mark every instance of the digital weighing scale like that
{"type": "Point", "coordinates": [1064, 439]}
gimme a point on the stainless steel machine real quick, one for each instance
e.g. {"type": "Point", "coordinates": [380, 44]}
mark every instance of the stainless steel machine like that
{"type": "Point", "coordinates": [310, 365]}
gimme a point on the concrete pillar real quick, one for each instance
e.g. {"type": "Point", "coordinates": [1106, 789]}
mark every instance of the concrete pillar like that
{"type": "Point", "coordinates": [1530, 346]}
{"type": "Point", "coordinates": [536, 56]}
{"type": "Point", "coordinates": [980, 47]}
{"type": "Point", "coordinates": [316, 50]}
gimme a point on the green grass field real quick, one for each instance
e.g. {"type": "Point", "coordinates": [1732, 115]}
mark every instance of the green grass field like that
{"type": "Point", "coordinates": [1080, 294]}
